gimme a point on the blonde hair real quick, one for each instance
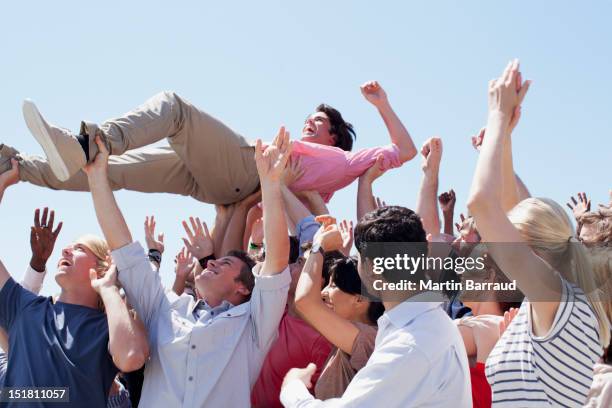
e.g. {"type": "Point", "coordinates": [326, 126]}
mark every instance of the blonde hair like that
{"type": "Point", "coordinates": [100, 249]}
{"type": "Point", "coordinates": [548, 231]}
{"type": "Point", "coordinates": [601, 259]}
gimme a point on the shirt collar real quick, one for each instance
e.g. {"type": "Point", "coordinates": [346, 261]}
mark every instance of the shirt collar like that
{"type": "Point", "coordinates": [409, 309]}
{"type": "Point", "coordinates": [201, 305]}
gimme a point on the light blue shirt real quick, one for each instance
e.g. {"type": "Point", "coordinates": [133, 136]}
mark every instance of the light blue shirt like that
{"type": "Point", "coordinates": [419, 360]}
{"type": "Point", "coordinates": [208, 361]}
{"type": "Point", "coordinates": [306, 230]}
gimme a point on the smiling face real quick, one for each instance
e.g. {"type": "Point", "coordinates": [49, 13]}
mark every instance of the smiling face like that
{"type": "Point", "coordinates": [219, 281]}
{"type": "Point", "coordinates": [74, 265]}
{"type": "Point", "coordinates": [342, 303]}
{"type": "Point", "coordinates": [317, 130]}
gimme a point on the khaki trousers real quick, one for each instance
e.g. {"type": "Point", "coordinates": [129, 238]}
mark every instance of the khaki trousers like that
{"type": "Point", "coordinates": [205, 160]}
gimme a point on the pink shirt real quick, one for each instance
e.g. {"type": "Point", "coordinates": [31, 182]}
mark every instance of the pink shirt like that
{"type": "Point", "coordinates": [329, 169]}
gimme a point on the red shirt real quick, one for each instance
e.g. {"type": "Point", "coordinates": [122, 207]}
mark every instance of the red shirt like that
{"type": "Point", "coordinates": [297, 345]}
{"type": "Point", "coordinates": [481, 390]}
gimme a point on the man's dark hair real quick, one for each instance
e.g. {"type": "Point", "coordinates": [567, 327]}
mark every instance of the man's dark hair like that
{"type": "Point", "coordinates": [246, 271]}
{"type": "Point", "coordinates": [391, 224]}
{"type": "Point", "coordinates": [294, 249]}
{"type": "Point", "coordinates": [345, 276]}
{"type": "Point", "coordinates": [339, 127]}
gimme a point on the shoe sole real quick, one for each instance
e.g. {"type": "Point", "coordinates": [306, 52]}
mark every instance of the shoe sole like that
{"type": "Point", "coordinates": [39, 130]}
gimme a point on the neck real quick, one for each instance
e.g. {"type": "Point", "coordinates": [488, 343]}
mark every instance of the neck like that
{"type": "Point", "coordinates": [486, 308]}
{"type": "Point", "coordinates": [78, 298]}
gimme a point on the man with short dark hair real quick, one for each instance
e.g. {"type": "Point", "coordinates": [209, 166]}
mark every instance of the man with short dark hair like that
{"type": "Point", "coordinates": [418, 359]}
{"type": "Point", "coordinates": [206, 159]}
{"type": "Point", "coordinates": [205, 352]}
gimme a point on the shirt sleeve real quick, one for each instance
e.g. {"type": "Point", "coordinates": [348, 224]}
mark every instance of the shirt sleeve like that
{"type": "Point", "coordinates": [382, 382]}
{"type": "Point", "coordinates": [306, 230]}
{"type": "Point", "coordinates": [268, 302]}
{"type": "Point", "coordinates": [13, 299]}
{"type": "Point", "coordinates": [142, 284]}
{"type": "Point", "coordinates": [363, 159]}
{"type": "Point", "coordinates": [33, 280]}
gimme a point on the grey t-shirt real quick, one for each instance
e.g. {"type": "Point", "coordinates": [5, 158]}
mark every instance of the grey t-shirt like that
{"type": "Point", "coordinates": [56, 345]}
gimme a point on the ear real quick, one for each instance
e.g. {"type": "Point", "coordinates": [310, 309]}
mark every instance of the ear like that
{"type": "Point", "coordinates": [242, 290]}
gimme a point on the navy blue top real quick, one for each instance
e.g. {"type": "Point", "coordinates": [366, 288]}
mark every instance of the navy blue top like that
{"type": "Point", "coordinates": [56, 345]}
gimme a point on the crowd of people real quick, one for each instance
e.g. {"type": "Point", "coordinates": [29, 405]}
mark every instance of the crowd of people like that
{"type": "Point", "coordinates": [277, 304]}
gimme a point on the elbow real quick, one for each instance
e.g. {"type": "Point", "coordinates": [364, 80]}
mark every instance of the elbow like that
{"type": "Point", "coordinates": [408, 153]}
{"type": "Point", "coordinates": [478, 202]}
{"type": "Point", "coordinates": [132, 360]}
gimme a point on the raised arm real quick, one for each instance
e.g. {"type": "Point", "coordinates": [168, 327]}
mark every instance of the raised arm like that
{"type": "Point", "coordinates": [109, 215]}
{"type": "Point", "coordinates": [533, 276]}
{"type": "Point", "coordinates": [337, 330]}
{"type": "Point", "coordinates": [127, 344]}
{"type": "Point", "coordinates": [447, 204]}
{"type": "Point", "coordinates": [154, 245]}
{"type": "Point", "coordinates": [427, 203]}
{"type": "Point", "coordinates": [270, 165]}
{"type": "Point", "coordinates": [234, 232]}
{"type": "Point", "coordinates": [7, 179]}
{"type": "Point", "coordinates": [376, 95]}
{"type": "Point", "coordinates": [365, 197]}
{"type": "Point", "coordinates": [139, 280]}
{"type": "Point", "coordinates": [224, 214]}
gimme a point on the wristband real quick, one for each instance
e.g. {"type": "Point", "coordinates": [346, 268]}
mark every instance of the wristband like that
{"type": "Point", "coordinates": [204, 261]}
{"type": "Point", "coordinates": [155, 256]}
{"type": "Point", "coordinates": [255, 246]}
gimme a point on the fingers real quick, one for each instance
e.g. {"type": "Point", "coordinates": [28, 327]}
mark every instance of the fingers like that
{"type": "Point", "coordinates": [101, 146]}
{"type": "Point", "coordinates": [57, 230]}
{"type": "Point", "coordinates": [258, 150]}
{"type": "Point", "coordinates": [194, 226]}
{"type": "Point", "coordinates": [206, 233]}
{"type": "Point", "coordinates": [43, 221]}
{"type": "Point", "coordinates": [37, 218]}
{"type": "Point", "coordinates": [458, 227]}
{"type": "Point", "coordinates": [574, 200]}
{"type": "Point", "coordinates": [523, 91]}
{"type": "Point", "coordinates": [51, 220]}
{"type": "Point", "coordinates": [188, 231]}
{"type": "Point", "coordinates": [325, 220]}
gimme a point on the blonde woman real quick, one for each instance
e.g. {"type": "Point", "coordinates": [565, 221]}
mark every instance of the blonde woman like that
{"type": "Point", "coordinates": [547, 354]}
{"type": "Point", "coordinates": [71, 342]}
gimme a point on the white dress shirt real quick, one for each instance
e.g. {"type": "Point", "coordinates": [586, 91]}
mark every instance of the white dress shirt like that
{"type": "Point", "coordinates": [211, 361]}
{"type": "Point", "coordinates": [419, 360]}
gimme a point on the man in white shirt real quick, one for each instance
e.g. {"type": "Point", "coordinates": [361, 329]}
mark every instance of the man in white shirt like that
{"type": "Point", "coordinates": [205, 352]}
{"type": "Point", "coordinates": [419, 358]}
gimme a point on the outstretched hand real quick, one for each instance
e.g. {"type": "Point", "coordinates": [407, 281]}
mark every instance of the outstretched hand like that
{"type": "Point", "coordinates": [199, 242]}
{"type": "Point", "coordinates": [374, 93]}
{"type": "Point", "coordinates": [580, 207]}
{"type": "Point", "coordinates": [346, 231]}
{"type": "Point", "coordinates": [42, 238]}
{"type": "Point", "coordinates": [507, 92]}
{"type": "Point", "coordinates": [272, 160]}
{"type": "Point", "coordinates": [328, 235]}
{"type": "Point", "coordinates": [185, 262]}
{"type": "Point", "coordinates": [152, 243]}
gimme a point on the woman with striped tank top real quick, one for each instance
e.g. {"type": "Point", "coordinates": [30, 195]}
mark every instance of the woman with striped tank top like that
{"type": "Point", "coordinates": [546, 355]}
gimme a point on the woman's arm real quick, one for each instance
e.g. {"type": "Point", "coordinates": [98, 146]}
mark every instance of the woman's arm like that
{"type": "Point", "coordinates": [534, 277]}
{"type": "Point", "coordinates": [340, 332]}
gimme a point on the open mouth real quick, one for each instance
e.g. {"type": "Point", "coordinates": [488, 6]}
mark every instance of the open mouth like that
{"type": "Point", "coordinates": [64, 262]}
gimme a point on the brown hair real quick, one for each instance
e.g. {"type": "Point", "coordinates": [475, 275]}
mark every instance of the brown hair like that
{"type": "Point", "coordinates": [246, 271]}
{"type": "Point", "coordinates": [602, 219]}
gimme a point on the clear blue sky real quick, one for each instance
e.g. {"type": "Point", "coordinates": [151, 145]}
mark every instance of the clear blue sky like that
{"type": "Point", "coordinates": [257, 65]}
